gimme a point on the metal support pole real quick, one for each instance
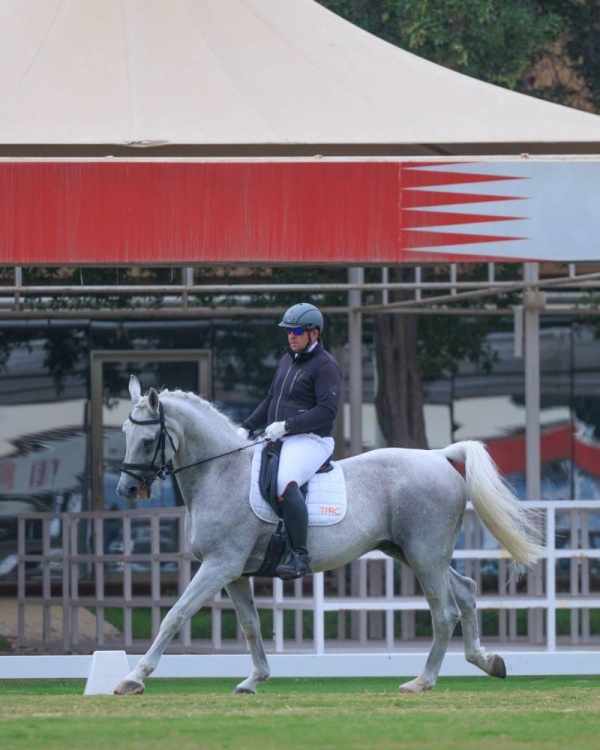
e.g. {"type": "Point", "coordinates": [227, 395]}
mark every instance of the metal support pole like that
{"type": "Point", "coordinates": [355, 276]}
{"type": "Point", "coordinates": [339, 451]}
{"type": "Point", "coordinates": [532, 303]}
{"type": "Point", "coordinates": [18, 283]}
{"type": "Point", "coordinates": [187, 279]}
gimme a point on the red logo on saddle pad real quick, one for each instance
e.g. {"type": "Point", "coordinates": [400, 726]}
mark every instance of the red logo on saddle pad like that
{"type": "Point", "coordinates": [329, 510]}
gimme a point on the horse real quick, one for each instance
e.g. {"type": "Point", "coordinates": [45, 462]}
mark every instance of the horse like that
{"type": "Point", "coordinates": [408, 503]}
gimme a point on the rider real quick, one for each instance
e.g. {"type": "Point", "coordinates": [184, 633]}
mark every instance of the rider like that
{"type": "Point", "coordinates": [300, 408]}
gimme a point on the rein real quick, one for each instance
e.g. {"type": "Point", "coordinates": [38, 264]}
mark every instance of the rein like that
{"type": "Point", "coordinates": [165, 470]}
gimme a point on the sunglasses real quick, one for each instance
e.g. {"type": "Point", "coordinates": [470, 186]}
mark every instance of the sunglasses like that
{"type": "Point", "coordinates": [296, 331]}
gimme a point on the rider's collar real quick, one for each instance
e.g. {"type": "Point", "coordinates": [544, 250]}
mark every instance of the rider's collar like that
{"type": "Point", "coordinates": [306, 352]}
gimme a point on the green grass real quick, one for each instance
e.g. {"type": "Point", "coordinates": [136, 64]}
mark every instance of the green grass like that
{"type": "Point", "coordinates": [460, 714]}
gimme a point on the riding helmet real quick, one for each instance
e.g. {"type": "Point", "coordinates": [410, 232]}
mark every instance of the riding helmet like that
{"type": "Point", "coordinates": [303, 314]}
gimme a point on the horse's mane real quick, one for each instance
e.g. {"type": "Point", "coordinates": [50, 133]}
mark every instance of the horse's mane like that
{"type": "Point", "coordinates": [196, 401]}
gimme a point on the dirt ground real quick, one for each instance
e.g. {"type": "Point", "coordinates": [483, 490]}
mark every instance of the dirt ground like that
{"type": "Point", "coordinates": [34, 623]}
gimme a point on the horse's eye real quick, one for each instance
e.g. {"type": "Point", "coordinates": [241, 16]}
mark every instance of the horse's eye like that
{"type": "Point", "coordinates": [148, 442]}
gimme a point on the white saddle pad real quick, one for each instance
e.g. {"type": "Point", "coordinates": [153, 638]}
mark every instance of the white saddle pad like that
{"type": "Point", "coordinates": [326, 499]}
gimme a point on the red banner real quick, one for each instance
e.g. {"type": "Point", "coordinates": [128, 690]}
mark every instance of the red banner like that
{"type": "Point", "coordinates": [336, 212]}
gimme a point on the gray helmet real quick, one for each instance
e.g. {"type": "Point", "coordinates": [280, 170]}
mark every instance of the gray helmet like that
{"type": "Point", "coordinates": [302, 314]}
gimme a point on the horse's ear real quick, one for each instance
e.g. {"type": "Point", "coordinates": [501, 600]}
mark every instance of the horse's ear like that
{"type": "Point", "coordinates": [153, 400]}
{"type": "Point", "coordinates": [135, 389]}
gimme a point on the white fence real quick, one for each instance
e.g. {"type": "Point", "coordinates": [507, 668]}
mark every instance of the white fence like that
{"type": "Point", "coordinates": [547, 600]}
{"type": "Point", "coordinates": [369, 601]}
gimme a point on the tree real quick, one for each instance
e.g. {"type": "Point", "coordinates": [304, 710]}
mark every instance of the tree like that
{"type": "Point", "coordinates": [493, 40]}
{"type": "Point", "coordinates": [411, 350]}
{"type": "Point", "coordinates": [569, 71]}
{"type": "Point", "coordinates": [399, 397]}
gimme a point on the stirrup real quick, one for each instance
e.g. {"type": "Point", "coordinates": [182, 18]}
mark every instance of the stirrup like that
{"type": "Point", "coordinates": [295, 566]}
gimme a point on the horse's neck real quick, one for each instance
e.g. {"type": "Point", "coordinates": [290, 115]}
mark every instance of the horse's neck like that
{"type": "Point", "coordinates": [206, 441]}
{"type": "Point", "coordinates": [204, 434]}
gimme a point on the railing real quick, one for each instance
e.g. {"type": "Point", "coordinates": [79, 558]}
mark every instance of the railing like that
{"type": "Point", "coordinates": [374, 600]}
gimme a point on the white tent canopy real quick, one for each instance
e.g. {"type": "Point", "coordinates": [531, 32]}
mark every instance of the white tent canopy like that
{"type": "Point", "coordinates": [216, 75]}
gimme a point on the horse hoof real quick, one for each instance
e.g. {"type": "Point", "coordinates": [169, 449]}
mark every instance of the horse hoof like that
{"type": "Point", "coordinates": [414, 686]}
{"type": "Point", "coordinates": [498, 667]}
{"type": "Point", "coordinates": [129, 687]}
{"type": "Point", "coordinates": [244, 691]}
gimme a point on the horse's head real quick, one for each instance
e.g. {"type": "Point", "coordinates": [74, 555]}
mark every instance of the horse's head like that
{"type": "Point", "coordinates": [149, 444]}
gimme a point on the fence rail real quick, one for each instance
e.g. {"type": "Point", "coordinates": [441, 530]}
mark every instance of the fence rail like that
{"type": "Point", "coordinates": [137, 563]}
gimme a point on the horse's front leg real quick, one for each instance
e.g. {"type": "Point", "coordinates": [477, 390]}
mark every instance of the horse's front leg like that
{"type": "Point", "coordinates": [240, 593]}
{"type": "Point", "coordinates": [208, 581]}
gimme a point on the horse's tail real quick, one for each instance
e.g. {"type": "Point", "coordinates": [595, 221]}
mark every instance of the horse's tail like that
{"type": "Point", "coordinates": [495, 504]}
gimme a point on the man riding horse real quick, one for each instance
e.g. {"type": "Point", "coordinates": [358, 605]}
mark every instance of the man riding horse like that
{"type": "Point", "coordinates": [300, 409]}
{"type": "Point", "coordinates": [408, 504]}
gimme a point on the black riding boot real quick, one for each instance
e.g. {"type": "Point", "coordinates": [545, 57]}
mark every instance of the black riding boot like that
{"type": "Point", "coordinates": [295, 517]}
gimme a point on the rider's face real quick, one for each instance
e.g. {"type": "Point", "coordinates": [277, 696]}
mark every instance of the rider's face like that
{"type": "Point", "coordinates": [298, 343]}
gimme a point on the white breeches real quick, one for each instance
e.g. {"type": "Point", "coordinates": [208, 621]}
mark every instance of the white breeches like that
{"type": "Point", "coordinates": [301, 457]}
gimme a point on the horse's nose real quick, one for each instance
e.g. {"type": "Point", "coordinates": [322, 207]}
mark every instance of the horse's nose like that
{"type": "Point", "coordinates": [127, 488]}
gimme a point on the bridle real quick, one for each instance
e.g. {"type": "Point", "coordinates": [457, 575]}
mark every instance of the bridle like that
{"type": "Point", "coordinates": [152, 470]}
{"type": "Point", "coordinates": [164, 469]}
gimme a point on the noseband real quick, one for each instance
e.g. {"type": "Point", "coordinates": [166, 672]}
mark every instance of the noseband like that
{"type": "Point", "coordinates": [152, 470]}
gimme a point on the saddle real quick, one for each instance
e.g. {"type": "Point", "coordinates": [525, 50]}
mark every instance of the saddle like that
{"type": "Point", "coordinates": [267, 478]}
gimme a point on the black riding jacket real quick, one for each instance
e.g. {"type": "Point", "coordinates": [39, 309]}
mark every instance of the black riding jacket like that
{"type": "Point", "coordinates": [305, 393]}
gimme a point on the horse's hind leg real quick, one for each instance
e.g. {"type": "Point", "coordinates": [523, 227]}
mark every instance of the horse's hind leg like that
{"type": "Point", "coordinates": [465, 590]}
{"type": "Point", "coordinates": [240, 593]}
{"type": "Point", "coordinates": [445, 615]}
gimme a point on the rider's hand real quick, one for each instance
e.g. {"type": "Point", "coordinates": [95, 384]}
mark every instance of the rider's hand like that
{"type": "Point", "coordinates": [243, 432]}
{"type": "Point", "coordinates": [275, 430]}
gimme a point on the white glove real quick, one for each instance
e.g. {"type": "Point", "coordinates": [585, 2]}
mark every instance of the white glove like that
{"type": "Point", "coordinates": [275, 430]}
{"type": "Point", "coordinates": [243, 432]}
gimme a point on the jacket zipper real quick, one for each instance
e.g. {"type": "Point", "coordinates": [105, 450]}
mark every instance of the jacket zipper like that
{"type": "Point", "coordinates": [282, 387]}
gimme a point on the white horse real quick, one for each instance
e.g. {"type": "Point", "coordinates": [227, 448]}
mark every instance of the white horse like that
{"type": "Point", "coordinates": [407, 503]}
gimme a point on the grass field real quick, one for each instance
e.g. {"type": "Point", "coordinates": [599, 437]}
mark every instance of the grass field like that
{"type": "Point", "coordinates": [550, 713]}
